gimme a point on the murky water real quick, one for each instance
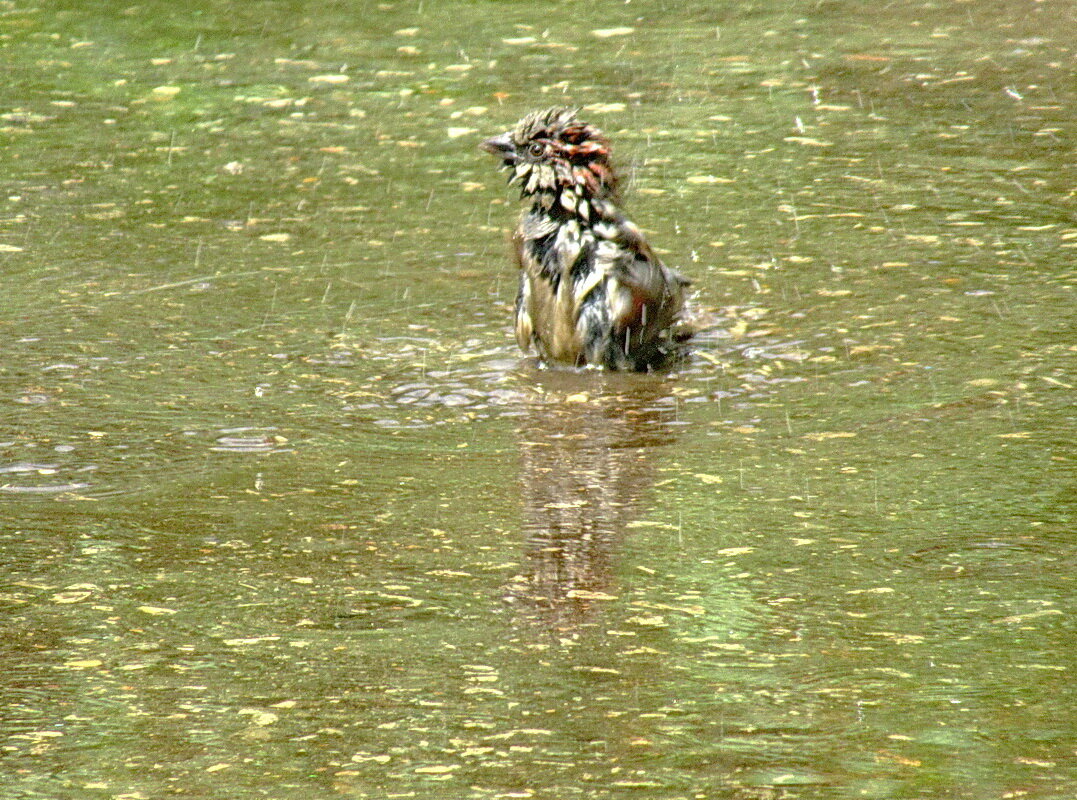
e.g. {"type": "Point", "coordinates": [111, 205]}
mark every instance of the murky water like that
{"type": "Point", "coordinates": [285, 515]}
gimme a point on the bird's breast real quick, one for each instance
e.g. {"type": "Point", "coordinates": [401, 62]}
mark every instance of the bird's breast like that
{"type": "Point", "coordinates": [559, 271]}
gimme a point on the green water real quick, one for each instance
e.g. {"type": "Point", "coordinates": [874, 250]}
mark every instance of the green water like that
{"type": "Point", "coordinates": [285, 514]}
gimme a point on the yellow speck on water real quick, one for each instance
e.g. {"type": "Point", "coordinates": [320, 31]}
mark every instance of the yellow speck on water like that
{"type": "Point", "coordinates": [596, 670]}
{"type": "Point", "coordinates": [259, 717]}
{"type": "Point", "coordinates": [71, 596]}
{"type": "Point", "coordinates": [604, 108]}
{"type": "Point", "coordinates": [583, 594]}
{"type": "Point", "coordinates": [824, 435]}
{"type": "Point", "coordinates": [809, 141]}
{"type": "Point", "coordinates": [156, 611]}
{"type": "Point", "coordinates": [165, 92]}
{"type": "Point", "coordinates": [380, 758]}
{"type": "Point", "coordinates": [649, 621]}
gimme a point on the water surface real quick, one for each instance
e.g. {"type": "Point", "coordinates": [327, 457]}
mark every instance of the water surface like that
{"type": "Point", "coordinates": [286, 515]}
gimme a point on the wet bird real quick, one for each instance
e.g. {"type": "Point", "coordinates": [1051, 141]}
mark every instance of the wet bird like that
{"type": "Point", "coordinates": [592, 291]}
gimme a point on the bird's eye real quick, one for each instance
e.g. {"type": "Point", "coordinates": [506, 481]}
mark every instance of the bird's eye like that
{"type": "Point", "coordinates": [536, 148]}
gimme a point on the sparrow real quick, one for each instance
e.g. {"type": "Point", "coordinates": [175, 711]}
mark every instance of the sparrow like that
{"type": "Point", "coordinates": [592, 292]}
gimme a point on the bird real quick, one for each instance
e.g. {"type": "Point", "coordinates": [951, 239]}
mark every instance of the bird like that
{"type": "Point", "coordinates": [592, 292]}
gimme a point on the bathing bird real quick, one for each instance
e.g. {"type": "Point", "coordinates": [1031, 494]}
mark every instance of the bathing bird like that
{"type": "Point", "coordinates": [592, 292]}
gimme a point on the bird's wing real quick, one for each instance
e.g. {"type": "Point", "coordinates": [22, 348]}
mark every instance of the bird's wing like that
{"type": "Point", "coordinates": [652, 284]}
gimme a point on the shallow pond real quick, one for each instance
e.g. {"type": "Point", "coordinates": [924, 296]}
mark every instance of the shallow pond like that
{"type": "Point", "coordinates": [286, 515]}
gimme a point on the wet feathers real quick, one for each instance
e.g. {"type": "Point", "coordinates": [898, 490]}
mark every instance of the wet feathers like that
{"type": "Point", "coordinates": [592, 291]}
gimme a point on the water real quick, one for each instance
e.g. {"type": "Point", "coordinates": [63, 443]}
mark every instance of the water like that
{"type": "Point", "coordinates": [286, 515]}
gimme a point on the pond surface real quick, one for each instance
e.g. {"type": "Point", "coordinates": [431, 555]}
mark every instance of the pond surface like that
{"type": "Point", "coordinates": [286, 515]}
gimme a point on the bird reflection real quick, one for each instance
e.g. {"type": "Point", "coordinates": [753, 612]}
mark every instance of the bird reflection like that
{"type": "Point", "coordinates": [589, 443]}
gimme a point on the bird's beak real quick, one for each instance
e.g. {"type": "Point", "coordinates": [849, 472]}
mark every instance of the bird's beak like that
{"type": "Point", "coordinates": [501, 146]}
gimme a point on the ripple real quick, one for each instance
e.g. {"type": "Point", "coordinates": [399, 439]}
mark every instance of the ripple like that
{"type": "Point", "coordinates": [34, 399]}
{"type": "Point", "coordinates": [52, 488]}
{"type": "Point", "coordinates": [248, 440]}
{"type": "Point", "coordinates": [25, 466]}
{"type": "Point", "coordinates": [24, 475]}
{"type": "Point", "coordinates": [434, 382]}
{"type": "Point", "coordinates": [990, 558]}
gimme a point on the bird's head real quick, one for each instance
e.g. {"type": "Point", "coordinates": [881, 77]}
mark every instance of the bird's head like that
{"type": "Point", "coordinates": [556, 157]}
